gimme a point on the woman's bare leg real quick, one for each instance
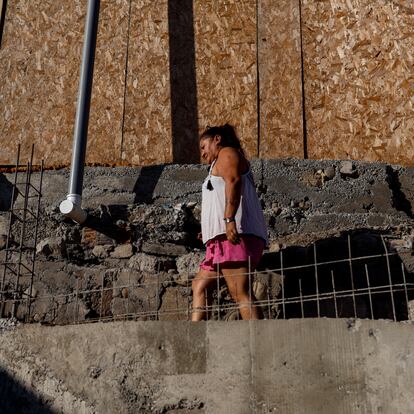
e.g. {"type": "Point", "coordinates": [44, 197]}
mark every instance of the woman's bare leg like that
{"type": "Point", "coordinates": [200, 283]}
{"type": "Point", "coordinates": [237, 280]}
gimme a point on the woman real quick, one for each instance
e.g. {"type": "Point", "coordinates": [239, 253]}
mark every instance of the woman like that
{"type": "Point", "coordinates": [232, 222]}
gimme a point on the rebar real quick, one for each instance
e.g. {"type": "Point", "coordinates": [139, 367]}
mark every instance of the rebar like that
{"type": "Point", "coordinates": [389, 276]}
{"type": "Point", "coordinates": [351, 275]}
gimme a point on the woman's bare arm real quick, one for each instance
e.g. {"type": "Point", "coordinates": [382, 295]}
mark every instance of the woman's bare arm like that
{"type": "Point", "coordinates": [229, 167]}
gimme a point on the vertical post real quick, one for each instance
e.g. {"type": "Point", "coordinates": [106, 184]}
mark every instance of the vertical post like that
{"type": "Point", "coordinates": [72, 206]}
{"type": "Point", "coordinates": [301, 299]}
{"type": "Point", "coordinates": [268, 303]}
{"type": "Point", "coordinates": [405, 290]}
{"type": "Point", "coordinates": [9, 232]}
{"type": "Point", "coordinates": [188, 295]}
{"type": "Point", "coordinates": [218, 291]}
{"type": "Point", "coordinates": [351, 271]}
{"type": "Point", "coordinates": [157, 295]}
{"type": "Point", "coordinates": [369, 291]}
{"type": "Point", "coordinates": [316, 280]}
{"type": "Point", "coordinates": [389, 277]}
{"type": "Point", "coordinates": [84, 98]}
{"type": "Point", "coordinates": [32, 270]}
{"type": "Point", "coordinates": [250, 288]}
{"type": "Point", "coordinates": [334, 293]}
{"type": "Point", "coordinates": [283, 284]}
{"type": "Point", "coordinates": [76, 313]}
{"type": "Point", "coordinates": [102, 295]}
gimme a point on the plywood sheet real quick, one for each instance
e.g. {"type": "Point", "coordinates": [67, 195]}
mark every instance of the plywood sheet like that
{"type": "Point", "coordinates": [107, 104]}
{"type": "Point", "coordinates": [281, 127]}
{"type": "Point", "coordinates": [147, 128]}
{"type": "Point", "coordinates": [359, 79]}
{"type": "Point", "coordinates": [39, 62]}
{"type": "Point", "coordinates": [225, 33]}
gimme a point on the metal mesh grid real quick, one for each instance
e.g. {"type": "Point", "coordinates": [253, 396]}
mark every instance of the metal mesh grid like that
{"type": "Point", "coordinates": [20, 254]}
{"type": "Point", "coordinates": [320, 289]}
{"type": "Point", "coordinates": [349, 281]}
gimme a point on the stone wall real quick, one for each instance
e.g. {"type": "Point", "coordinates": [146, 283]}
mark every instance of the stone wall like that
{"type": "Point", "coordinates": [138, 251]}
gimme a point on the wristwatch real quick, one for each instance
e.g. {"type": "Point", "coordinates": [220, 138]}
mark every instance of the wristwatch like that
{"type": "Point", "coordinates": [229, 219]}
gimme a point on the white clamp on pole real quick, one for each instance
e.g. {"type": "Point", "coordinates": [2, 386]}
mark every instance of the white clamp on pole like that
{"type": "Point", "coordinates": [71, 207]}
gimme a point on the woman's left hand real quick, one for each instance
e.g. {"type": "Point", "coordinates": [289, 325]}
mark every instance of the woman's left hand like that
{"type": "Point", "coordinates": [232, 233]}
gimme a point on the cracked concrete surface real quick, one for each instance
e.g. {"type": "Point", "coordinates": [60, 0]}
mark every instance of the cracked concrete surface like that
{"type": "Point", "coordinates": [296, 366]}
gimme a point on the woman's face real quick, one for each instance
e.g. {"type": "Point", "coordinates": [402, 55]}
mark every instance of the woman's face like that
{"type": "Point", "coordinates": [209, 148]}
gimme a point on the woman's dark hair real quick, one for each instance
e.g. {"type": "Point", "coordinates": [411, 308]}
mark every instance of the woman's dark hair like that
{"type": "Point", "coordinates": [227, 133]}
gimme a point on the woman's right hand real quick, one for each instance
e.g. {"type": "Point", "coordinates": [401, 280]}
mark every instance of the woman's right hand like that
{"type": "Point", "coordinates": [232, 233]}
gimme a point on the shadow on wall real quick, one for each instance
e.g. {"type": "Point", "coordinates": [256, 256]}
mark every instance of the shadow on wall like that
{"type": "Point", "coordinates": [146, 183]}
{"type": "Point", "coordinates": [184, 111]}
{"type": "Point", "coordinates": [370, 285]}
{"type": "Point", "coordinates": [6, 193]}
{"type": "Point", "coordinates": [18, 399]}
{"type": "Point", "coordinates": [2, 19]}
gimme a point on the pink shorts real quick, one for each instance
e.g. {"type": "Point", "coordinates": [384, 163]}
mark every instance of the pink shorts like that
{"type": "Point", "coordinates": [220, 251]}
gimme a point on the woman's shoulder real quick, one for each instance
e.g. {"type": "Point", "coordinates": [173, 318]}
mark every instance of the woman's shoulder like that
{"type": "Point", "coordinates": [229, 156]}
{"type": "Point", "coordinates": [230, 152]}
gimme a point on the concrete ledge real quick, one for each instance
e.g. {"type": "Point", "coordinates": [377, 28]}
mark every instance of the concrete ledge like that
{"type": "Point", "coordinates": [293, 366]}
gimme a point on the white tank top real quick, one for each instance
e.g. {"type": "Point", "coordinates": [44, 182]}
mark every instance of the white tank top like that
{"type": "Point", "coordinates": [249, 216]}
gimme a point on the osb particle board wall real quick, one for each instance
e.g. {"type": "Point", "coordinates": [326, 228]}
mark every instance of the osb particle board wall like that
{"type": "Point", "coordinates": [147, 128]}
{"type": "Point", "coordinates": [359, 79]}
{"type": "Point", "coordinates": [160, 80]}
{"type": "Point", "coordinates": [281, 127]}
{"type": "Point", "coordinates": [40, 59]}
{"type": "Point", "coordinates": [226, 66]}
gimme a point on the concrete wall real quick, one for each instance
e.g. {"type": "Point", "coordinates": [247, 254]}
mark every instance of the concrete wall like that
{"type": "Point", "coordinates": [298, 78]}
{"type": "Point", "coordinates": [312, 366]}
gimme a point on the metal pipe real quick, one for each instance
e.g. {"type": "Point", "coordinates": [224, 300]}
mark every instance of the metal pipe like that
{"type": "Point", "coordinates": [71, 207]}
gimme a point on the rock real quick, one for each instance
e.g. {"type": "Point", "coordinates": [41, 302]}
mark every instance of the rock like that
{"type": "Point", "coordinates": [53, 246]}
{"type": "Point", "coordinates": [259, 290]}
{"type": "Point", "coordinates": [126, 279]}
{"type": "Point", "coordinates": [4, 225]}
{"type": "Point", "coordinates": [275, 247]}
{"type": "Point", "coordinates": [401, 244]}
{"type": "Point", "coordinates": [143, 262]}
{"type": "Point", "coordinates": [26, 293]}
{"type": "Point", "coordinates": [123, 251]}
{"type": "Point", "coordinates": [94, 372]}
{"type": "Point", "coordinates": [174, 306]}
{"type": "Point", "coordinates": [329, 173]}
{"type": "Point", "coordinates": [347, 169]}
{"type": "Point", "coordinates": [151, 264]}
{"type": "Point", "coordinates": [3, 241]}
{"type": "Point", "coordinates": [232, 315]}
{"type": "Point", "coordinates": [411, 310]}
{"type": "Point", "coordinates": [189, 263]}
{"type": "Point", "coordinates": [89, 237]}
{"type": "Point", "coordinates": [313, 178]}
{"type": "Point", "coordinates": [102, 251]}
{"type": "Point", "coordinates": [165, 249]}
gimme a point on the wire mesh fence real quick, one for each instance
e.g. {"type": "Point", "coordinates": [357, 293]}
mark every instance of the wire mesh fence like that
{"type": "Point", "coordinates": [369, 286]}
